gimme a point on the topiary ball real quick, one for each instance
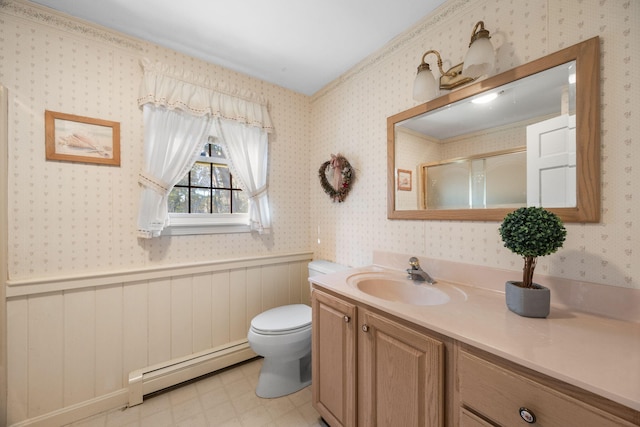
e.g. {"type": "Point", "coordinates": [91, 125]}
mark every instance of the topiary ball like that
{"type": "Point", "coordinates": [532, 232]}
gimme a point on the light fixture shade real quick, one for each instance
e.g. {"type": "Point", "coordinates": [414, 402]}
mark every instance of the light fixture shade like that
{"type": "Point", "coordinates": [424, 86]}
{"type": "Point", "coordinates": [480, 58]}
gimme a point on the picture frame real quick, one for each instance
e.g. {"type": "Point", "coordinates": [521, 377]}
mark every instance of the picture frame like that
{"type": "Point", "coordinates": [404, 180]}
{"type": "Point", "coordinates": [81, 139]}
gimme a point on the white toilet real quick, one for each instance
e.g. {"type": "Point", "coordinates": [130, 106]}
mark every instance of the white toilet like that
{"type": "Point", "coordinates": [282, 335]}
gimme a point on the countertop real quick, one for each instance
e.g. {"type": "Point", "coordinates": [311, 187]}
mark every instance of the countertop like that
{"type": "Point", "coordinates": [598, 354]}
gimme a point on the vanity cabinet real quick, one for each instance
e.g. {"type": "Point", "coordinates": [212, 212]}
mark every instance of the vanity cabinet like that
{"type": "Point", "coordinates": [370, 370]}
{"type": "Point", "coordinates": [333, 362]}
{"type": "Point", "coordinates": [400, 374]}
{"type": "Point", "coordinates": [493, 392]}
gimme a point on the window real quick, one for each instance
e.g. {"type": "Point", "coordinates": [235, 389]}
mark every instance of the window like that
{"type": "Point", "coordinates": [208, 199]}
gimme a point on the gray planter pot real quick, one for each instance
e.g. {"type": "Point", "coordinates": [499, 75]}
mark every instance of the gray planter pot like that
{"type": "Point", "coordinates": [528, 302]}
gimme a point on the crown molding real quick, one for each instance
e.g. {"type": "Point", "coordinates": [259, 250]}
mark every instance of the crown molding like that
{"type": "Point", "coordinates": [61, 21]}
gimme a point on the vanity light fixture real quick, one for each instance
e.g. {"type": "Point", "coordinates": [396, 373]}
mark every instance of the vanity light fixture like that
{"type": "Point", "coordinates": [479, 60]}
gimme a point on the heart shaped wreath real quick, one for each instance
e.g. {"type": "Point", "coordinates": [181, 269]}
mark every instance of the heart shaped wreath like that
{"type": "Point", "coordinates": [343, 176]}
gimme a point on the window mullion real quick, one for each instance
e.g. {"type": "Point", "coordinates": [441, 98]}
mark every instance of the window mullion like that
{"type": "Point", "coordinates": [210, 184]}
{"type": "Point", "coordinates": [189, 193]}
{"type": "Point", "coordinates": [231, 190]}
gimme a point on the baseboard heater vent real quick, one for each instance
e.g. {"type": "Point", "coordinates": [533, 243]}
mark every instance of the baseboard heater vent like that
{"type": "Point", "coordinates": [175, 371]}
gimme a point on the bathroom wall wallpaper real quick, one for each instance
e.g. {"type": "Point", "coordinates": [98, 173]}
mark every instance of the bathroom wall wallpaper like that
{"type": "Point", "coordinates": [72, 218]}
{"type": "Point", "coordinates": [350, 114]}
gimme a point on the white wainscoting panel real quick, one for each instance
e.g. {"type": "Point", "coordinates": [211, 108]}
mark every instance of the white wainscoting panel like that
{"type": "Point", "coordinates": [159, 326]}
{"type": "Point", "coordinates": [221, 309]}
{"type": "Point", "coordinates": [108, 370]}
{"type": "Point", "coordinates": [79, 346]}
{"type": "Point", "coordinates": [238, 298]}
{"type": "Point", "coordinates": [18, 350]}
{"type": "Point", "coordinates": [202, 309]}
{"type": "Point", "coordinates": [45, 357]}
{"type": "Point", "coordinates": [72, 346]}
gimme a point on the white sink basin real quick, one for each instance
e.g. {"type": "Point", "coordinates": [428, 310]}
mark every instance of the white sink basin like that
{"type": "Point", "coordinates": [396, 288]}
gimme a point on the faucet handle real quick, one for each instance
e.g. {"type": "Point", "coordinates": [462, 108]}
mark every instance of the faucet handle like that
{"type": "Point", "coordinates": [413, 262]}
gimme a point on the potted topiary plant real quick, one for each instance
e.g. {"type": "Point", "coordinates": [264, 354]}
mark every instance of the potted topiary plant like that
{"type": "Point", "coordinates": [530, 232]}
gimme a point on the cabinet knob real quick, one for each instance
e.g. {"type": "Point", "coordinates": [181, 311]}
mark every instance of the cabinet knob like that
{"type": "Point", "coordinates": [347, 319]}
{"type": "Point", "coordinates": [365, 328]}
{"type": "Point", "coordinates": [527, 415]}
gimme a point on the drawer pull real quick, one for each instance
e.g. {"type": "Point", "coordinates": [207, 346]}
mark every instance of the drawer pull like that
{"type": "Point", "coordinates": [365, 328]}
{"type": "Point", "coordinates": [527, 415]}
{"type": "Point", "coordinates": [347, 319]}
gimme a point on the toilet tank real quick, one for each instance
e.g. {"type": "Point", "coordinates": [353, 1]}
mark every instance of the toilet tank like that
{"type": "Point", "coordinates": [321, 266]}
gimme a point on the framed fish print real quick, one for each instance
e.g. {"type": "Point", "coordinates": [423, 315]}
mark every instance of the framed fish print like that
{"type": "Point", "coordinates": [81, 139]}
{"type": "Point", "coordinates": [404, 180]}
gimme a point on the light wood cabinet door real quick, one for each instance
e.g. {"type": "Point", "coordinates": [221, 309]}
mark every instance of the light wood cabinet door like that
{"type": "Point", "coordinates": [400, 375]}
{"type": "Point", "coordinates": [334, 361]}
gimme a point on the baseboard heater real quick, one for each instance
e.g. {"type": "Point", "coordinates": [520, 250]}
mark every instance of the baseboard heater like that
{"type": "Point", "coordinates": [175, 371]}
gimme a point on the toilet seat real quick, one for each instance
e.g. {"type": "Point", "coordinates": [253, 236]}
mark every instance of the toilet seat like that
{"type": "Point", "coordinates": [283, 320]}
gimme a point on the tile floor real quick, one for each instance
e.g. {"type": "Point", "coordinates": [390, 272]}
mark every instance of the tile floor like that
{"type": "Point", "coordinates": [223, 399]}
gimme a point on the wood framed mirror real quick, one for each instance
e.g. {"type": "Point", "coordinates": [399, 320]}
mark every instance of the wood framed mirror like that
{"type": "Point", "coordinates": [460, 151]}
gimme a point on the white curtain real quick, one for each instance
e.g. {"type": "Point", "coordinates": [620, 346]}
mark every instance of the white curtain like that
{"type": "Point", "coordinates": [179, 109]}
{"type": "Point", "coordinates": [172, 141]}
{"type": "Point", "coordinates": [247, 149]}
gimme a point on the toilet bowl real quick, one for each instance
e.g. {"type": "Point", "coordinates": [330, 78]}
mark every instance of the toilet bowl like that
{"type": "Point", "coordinates": [282, 335]}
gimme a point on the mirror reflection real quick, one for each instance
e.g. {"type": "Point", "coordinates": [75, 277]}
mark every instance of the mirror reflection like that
{"type": "Point", "coordinates": [507, 142]}
{"type": "Point", "coordinates": [464, 151]}
{"type": "Point", "coordinates": [488, 180]}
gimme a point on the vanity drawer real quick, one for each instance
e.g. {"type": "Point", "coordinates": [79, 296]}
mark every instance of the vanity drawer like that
{"type": "Point", "coordinates": [498, 394]}
{"type": "Point", "coordinates": [469, 419]}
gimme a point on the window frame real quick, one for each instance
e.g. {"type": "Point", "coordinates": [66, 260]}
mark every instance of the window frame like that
{"type": "Point", "coordinates": [207, 223]}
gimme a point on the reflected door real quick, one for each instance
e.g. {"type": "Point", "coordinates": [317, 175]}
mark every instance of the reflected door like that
{"type": "Point", "coordinates": [551, 162]}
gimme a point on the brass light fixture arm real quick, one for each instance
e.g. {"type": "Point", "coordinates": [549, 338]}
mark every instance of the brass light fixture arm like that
{"type": "Point", "coordinates": [425, 66]}
{"type": "Point", "coordinates": [479, 33]}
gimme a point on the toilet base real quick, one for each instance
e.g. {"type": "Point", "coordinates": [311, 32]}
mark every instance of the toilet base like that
{"type": "Point", "coordinates": [279, 378]}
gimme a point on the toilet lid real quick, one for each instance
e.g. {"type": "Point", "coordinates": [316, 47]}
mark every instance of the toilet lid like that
{"type": "Point", "coordinates": [283, 319]}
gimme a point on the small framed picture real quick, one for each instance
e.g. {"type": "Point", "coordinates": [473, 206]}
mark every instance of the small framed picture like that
{"type": "Point", "coordinates": [404, 180]}
{"type": "Point", "coordinates": [81, 139]}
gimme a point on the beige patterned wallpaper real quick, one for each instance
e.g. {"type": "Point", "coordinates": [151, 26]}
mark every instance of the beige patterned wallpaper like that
{"type": "Point", "coordinates": [349, 116]}
{"type": "Point", "coordinates": [70, 218]}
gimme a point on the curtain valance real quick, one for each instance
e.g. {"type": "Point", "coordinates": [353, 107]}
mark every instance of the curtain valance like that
{"type": "Point", "coordinates": [197, 95]}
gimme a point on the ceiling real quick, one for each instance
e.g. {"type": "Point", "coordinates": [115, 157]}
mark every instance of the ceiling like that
{"type": "Point", "coordinates": [301, 45]}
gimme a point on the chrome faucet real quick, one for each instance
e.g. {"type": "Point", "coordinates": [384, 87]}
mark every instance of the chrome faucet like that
{"type": "Point", "coordinates": [418, 274]}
